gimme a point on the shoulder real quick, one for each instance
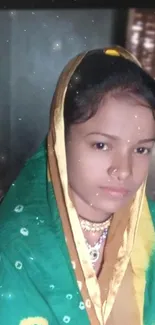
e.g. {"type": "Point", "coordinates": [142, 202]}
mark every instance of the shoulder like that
{"type": "Point", "coordinates": [25, 207]}
{"type": "Point", "coordinates": [28, 221]}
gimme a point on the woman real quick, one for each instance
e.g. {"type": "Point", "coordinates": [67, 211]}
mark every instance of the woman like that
{"type": "Point", "coordinates": [77, 234]}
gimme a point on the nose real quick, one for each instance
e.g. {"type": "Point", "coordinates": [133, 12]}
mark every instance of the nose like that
{"type": "Point", "coordinates": [121, 167]}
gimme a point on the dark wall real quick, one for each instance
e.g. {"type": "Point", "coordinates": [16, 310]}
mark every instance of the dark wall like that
{"type": "Point", "coordinates": [5, 101]}
{"type": "Point", "coordinates": [34, 47]}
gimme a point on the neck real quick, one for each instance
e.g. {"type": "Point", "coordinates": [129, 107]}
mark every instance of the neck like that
{"type": "Point", "coordinates": [87, 211]}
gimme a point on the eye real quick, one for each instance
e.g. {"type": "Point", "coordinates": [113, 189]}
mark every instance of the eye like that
{"type": "Point", "coordinates": [143, 151]}
{"type": "Point", "coordinates": [101, 146]}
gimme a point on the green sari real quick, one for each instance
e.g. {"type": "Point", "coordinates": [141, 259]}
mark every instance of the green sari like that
{"type": "Point", "coordinates": [45, 271]}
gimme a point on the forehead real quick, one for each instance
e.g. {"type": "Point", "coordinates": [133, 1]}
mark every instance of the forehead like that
{"type": "Point", "coordinates": [123, 118]}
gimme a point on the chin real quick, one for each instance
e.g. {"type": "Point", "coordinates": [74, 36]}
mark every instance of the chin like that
{"type": "Point", "coordinates": [112, 206]}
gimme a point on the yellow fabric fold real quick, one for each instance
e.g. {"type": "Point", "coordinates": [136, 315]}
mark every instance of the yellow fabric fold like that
{"type": "Point", "coordinates": [145, 240]}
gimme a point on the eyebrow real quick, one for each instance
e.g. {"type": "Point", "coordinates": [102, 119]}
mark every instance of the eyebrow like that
{"type": "Point", "coordinates": [147, 140]}
{"type": "Point", "coordinates": [113, 137]}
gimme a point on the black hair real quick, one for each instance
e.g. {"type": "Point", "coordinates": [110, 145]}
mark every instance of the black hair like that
{"type": "Point", "coordinates": [99, 74]}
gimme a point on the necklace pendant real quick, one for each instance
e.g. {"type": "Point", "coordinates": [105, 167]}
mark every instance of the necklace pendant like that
{"type": "Point", "coordinates": [94, 254]}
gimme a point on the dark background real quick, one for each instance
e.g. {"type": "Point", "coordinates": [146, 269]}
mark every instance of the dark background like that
{"type": "Point", "coordinates": [35, 45]}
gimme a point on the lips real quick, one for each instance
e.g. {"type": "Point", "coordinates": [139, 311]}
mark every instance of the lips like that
{"type": "Point", "coordinates": [117, 192]}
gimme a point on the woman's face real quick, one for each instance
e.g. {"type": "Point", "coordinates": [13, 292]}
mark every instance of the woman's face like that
{"type": "Point", "coordinates": [108, 156]}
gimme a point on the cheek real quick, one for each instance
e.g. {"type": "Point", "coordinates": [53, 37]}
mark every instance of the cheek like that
{"type": "Point", "coordinates": [140, 169]}
{"type": "Point", "coordinates": [91, 159]}
{"type": "Point", "coordinates": [87, 165]}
